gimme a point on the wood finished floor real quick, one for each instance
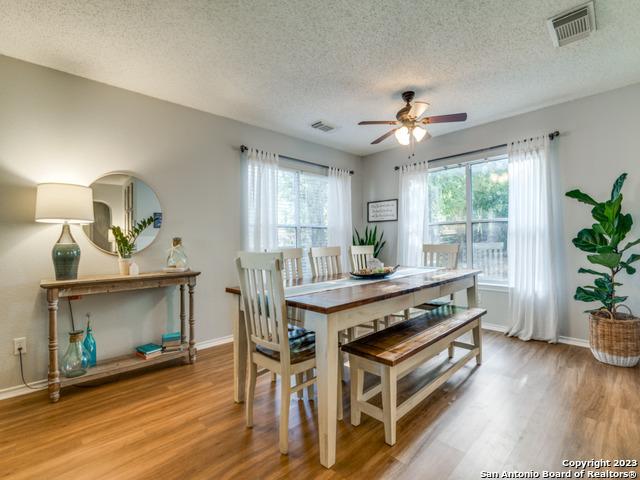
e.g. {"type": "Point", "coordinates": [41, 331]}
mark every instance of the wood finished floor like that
{"type": "Point", "coordinates": [529, 406]}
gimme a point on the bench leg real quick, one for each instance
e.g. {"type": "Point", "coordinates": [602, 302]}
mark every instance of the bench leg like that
{"type": "Point", "coordinates": [357, 385]}
{"type": "Point", "coordinates": [389, 403]}
{"type": "Point", "coordinates": [477, 341]}
{"type": "Point", "coordinates": [451, 350]}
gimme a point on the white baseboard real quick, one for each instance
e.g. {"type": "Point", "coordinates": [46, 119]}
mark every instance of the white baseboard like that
{"type": "Point", "coordinates": [494, 327]}
{"type": "Point", "coordinates": [578, 342]}
{"type": "Point", "coordinates": [22, 390]}
{"type": "Point", "coordinates": [214, 342]}
{"type": "Point", "coordinates": [18, 390]}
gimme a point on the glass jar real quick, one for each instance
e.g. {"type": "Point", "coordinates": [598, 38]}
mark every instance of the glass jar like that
{"type": "Point", "coordinates": [177, 258]}
{"type": "Point", "coordinates": [74, 361]}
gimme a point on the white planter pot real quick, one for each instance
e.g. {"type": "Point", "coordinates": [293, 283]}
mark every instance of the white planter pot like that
{"type": "Point", "coordinates": [123, 265]}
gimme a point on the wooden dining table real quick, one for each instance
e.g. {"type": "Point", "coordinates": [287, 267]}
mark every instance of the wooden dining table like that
{"type": "Point", "coordinates": [330, 304]}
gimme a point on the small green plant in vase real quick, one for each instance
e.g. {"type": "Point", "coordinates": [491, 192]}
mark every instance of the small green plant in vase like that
{"type": "Point", "coordinates": [370, 238]}
{"type": "Point", "coordinates": [126, 242]}
{"type": "Point", "coordinates": [614, 336]}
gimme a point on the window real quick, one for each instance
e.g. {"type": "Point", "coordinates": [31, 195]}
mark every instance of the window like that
{"type": "Point", "coordinates": [302, 210]}
{"type": "Point", "coordinates": [468, 205]}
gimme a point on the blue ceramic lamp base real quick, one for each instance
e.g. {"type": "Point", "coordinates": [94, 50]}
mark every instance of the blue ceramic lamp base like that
{"type": "Point", "coordinates": [66, 255]}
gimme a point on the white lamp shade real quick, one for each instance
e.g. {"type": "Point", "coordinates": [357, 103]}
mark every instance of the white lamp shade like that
{"type": "Point", "coordinates": [402, 135]}
{"type": "Point", "coordinates": [61, 202]}
{"type": "Point", "coordinates": [419, 133]}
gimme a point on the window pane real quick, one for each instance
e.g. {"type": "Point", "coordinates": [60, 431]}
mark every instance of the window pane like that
{"type": "Point", "coordinates": [490, 190]}
{"type": "Point", "coordinates": [490, 250]}
{"type": "Point", "coordinates": [286, 236]}
{"type": "Point", "coordinates": [286, 197]}
{"type": "Point", "coordinates": [313, 237]}
{"type": "Point", "coordinates": [447, 193]}
{"type": "Point", "coordinates": [451, 234]}
{"type": "Point", "coordinates": [313, 199]}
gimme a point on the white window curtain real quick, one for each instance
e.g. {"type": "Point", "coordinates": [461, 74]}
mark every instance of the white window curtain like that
{"type": "Point", "coordinates": [534, 262]}
{"type": "Point", "coordinates": [339, 212]}
{"type": "Point", "coordinates": [412, 213]}
{"type": "Point", "coordinates": [261, 197]}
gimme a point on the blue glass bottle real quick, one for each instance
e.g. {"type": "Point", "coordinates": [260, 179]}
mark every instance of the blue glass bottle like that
{"type": "Point", "coordinates": [90, 344]}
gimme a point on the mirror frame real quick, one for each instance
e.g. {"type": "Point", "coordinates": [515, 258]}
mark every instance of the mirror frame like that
{"type": "Point", "coordinates": [130, 174]}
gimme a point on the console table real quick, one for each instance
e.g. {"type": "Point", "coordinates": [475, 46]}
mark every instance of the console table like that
{"type": "Point", "coordinates": [96, 284]}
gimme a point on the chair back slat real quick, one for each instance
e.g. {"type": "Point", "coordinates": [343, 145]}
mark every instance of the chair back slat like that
{"type": "Point", "coordinates": [358, 255]}
{"type": "Point", "coordinates": [262, 290]}
{"type": "Point", "coordinates": [292, 263]}
{"type": "Point", "coordinates": [443, 255]}
{"type": "Point", "coordinates": [325, 261]}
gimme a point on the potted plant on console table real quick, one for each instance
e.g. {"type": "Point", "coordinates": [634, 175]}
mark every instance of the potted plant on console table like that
{"type": "Point", "coordinates": [126, 242]}
{"type": "Point", "coordinates": [614, 336]}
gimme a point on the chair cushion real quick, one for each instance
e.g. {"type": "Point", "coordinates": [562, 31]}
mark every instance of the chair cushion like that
{"type": "Point", "coordinates": [302, 345]}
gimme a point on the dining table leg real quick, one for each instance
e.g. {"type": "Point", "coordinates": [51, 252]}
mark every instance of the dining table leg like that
{"type": "Point", "coordinates": [239, 355]}
{"type": "Point", "coordinates": [472, 293]}
{"type": "Point", "coordinates": [327, 383]}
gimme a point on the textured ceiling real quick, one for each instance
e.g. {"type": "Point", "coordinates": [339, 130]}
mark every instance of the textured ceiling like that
{"type": "Point", "coordinates": [285, 64]}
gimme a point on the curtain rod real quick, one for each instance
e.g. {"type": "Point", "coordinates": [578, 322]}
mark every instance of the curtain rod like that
{"type": "Point", "coordinates": [244, 148]}
{"type": "Point", "coordinates": [552, 135]}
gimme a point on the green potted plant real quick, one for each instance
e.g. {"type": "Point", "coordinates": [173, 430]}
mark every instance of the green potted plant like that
{"type": "Point", "coordinates": [126, 242]}
{"type": "Point", "coordinates": [370, 238]}
{"type": "Point", "coordinates": [614, 336]}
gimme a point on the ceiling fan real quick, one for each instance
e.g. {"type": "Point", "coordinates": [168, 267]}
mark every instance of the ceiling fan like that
{"type": "Point", "coordinates": [409, 124]}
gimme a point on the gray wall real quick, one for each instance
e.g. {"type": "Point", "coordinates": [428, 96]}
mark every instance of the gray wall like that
{"type": "Point", "coordinates": [56, 127]}
{"type": "Point", "coordinates": [599, 140]}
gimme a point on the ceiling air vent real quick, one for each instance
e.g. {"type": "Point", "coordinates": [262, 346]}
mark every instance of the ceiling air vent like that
{"type": "Point", "coordinates": [324, 126]}
{"type": "Point", "coordinates": [572, 25]}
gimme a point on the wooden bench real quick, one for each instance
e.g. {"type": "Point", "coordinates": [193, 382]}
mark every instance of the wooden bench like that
{"type": "Point", "coordinates": [398, 350]}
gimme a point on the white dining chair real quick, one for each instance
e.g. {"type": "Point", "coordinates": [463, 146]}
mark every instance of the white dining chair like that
{"type": "Point", "coordinates": [292, 268]}
{"type": "Point", "coordinates": [325, 261]}
{"type": "Point", "coordinates": [359, 255]}
{"type": "Point", "coordinates": [441, 255]}
{"type": "Point", "coordinates": [272, 344]}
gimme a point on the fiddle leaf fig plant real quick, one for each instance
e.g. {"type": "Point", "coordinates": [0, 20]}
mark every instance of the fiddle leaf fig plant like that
{"type": "Point", "coordinates": [604, 243]}
{"type": "Point", "coordinates": [126, 241]}
{"type": "Point", "coordinates": [370, 238]}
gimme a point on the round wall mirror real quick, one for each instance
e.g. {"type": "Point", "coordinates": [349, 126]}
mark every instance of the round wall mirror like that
{"type": "Point", "coordinates": [122, 200]}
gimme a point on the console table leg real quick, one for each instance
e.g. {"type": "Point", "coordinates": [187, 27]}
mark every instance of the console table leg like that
{"type": "Point", "coordinates": [54, 374]}
{"type": "Point", "coordinates": [183, 316]}
{"type": "Point", "coordinates": [192, 334]}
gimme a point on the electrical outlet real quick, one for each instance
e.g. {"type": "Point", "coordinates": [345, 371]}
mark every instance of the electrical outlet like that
{"type": "Point", "coordinates": [19, 342]}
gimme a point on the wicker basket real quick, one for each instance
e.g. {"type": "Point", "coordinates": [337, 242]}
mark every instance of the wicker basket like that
{"type": "Point", "coordinates": [616, 342]}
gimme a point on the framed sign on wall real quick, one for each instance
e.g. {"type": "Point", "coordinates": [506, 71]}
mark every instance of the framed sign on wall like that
{"type": "Point", "coordinates": [382, 211]}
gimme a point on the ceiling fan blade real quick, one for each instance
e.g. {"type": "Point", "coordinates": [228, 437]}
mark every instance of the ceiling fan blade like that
{"type": "Point", "coordinates": [453, 117]}
{"type": "Point", "coordinates": [383, 137]}
{"type": "Point", "coordinates": [378, 122]}
{"type": "Point", "coordinates": [418, 108]}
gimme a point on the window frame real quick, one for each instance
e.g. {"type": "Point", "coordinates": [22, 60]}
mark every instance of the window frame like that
{"type": "Point", "coordinates": [469, 221]}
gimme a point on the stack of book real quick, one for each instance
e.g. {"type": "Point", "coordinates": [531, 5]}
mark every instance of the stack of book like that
{"type": "Point", "coordinates": [149, 350]}
{"type": "Point", "coordinates": [171, 342]}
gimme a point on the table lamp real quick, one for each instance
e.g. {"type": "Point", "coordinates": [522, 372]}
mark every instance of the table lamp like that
{"type": "Point", "coordinates": [65, 204]}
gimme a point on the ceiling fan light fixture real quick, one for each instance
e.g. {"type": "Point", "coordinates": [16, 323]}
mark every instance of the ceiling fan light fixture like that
{"type": "Point", "coordinates": [403, 136]}
{"type": "Point", "coordinates": [419, 133]}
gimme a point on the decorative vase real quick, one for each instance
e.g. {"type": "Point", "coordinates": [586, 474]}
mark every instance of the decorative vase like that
{"type": "Point", "coordinates": [615, 341]}
{"type": "Point", "coordinates": [66, 255]}
{"type": "Point", "coordinates": [89, 344]}
{"type": "Point", "coordinates": [177, 258]}
{"type": "Point", "coordinates": [123, 265]}
{"type": "Point", "coordinates": [73, 364]}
